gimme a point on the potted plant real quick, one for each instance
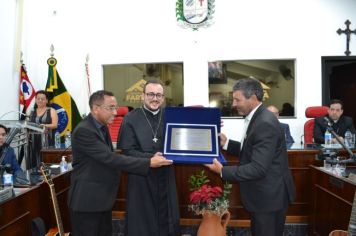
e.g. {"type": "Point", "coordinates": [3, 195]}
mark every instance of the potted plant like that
{"type": "Point", "coordinates": [211, 202]}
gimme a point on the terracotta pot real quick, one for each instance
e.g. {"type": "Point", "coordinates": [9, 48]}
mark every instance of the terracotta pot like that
{"type": "Point", "coordinates": [213, 225]}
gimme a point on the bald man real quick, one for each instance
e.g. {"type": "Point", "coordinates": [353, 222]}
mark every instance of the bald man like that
{"type": "Point", "coordinates": [284, 126]}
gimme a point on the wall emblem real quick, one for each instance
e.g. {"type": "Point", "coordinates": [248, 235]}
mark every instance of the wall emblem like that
{"type": "Point", "coordinates": [134, 93]}
{"type": "Point", "coordinates": [195, 14]}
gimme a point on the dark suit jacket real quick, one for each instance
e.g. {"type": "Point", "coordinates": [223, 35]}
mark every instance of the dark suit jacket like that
{"type": "Point", "coordinates": [96, 169]}
{"type": "Point", "coordinates": [288, 136]}
{"type": "Point", "coordinates": [340, 127]}
{"type": "Point", "coordinates": [264, 176]}
{"type": "Point", "coordinates": [10, 158]}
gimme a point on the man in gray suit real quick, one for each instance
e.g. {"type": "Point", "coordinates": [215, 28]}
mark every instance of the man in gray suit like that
{"type": "Point", "coordinates": [96, 169]}
{"type": "Point", "coordinates": [284, 126]}
{"type": "Point", "coordinates": [266, 183]}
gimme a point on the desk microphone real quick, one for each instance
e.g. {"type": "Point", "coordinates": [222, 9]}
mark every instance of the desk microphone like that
{"type": "Point", "coordinates": [18, 112]}
{"type": "Point", "coordinates": [326, 119]}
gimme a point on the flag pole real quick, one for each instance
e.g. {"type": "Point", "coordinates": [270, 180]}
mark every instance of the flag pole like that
{"type": "Point", "coordinates": [87, 74]}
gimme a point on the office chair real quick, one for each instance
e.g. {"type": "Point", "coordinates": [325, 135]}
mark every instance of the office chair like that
{"type": "Point", "coordinates": [312, 112]}
{"type": "Point", "coordinates": [114, 127]}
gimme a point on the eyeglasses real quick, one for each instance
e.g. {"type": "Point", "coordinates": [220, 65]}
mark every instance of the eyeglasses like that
{"type": "Point", "coordinates": [157, 95]}
{"type": "Point", "coordinates": [108, 108]}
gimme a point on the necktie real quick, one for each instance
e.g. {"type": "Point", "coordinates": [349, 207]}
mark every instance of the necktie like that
{"type": "Point", "coordinates": [105, 132]}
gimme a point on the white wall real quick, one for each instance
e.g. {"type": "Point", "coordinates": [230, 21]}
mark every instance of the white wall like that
{"type": "Point", "coordinates": [117, 31]}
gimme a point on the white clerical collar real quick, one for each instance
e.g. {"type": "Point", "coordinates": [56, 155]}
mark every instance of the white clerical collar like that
{"type": "Point", "coordinates": [153, 112]}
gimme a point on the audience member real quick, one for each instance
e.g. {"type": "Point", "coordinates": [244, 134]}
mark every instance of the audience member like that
{"type": "Point", "coordinates": [338, 121]}
{"type": "Point", "coordinates": [9, 156]}
{"type": "Point", "coordinates": [284, 126]}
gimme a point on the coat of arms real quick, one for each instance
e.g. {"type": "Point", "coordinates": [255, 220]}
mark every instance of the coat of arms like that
{"type": "Point", "coordinates": [194, 13]}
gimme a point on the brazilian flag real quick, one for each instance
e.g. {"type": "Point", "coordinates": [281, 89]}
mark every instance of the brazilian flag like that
{"type": "Point", "coordinates": [60, 99]}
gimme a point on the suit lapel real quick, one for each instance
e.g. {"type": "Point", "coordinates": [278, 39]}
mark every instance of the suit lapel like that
{"type": "Point", "coordinates": [251, 124]}
{"type": "Point", "coordinates": [99, 132]}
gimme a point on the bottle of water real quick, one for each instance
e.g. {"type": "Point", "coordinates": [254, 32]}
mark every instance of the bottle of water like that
{"type": "Point", "coordinates": [327, 138]}
{"type": "Point", "coordinates": [63, 165]}
{"type": "Point", "coordinates": [67, 139]}
{"type": "Point", "coordinates": [348, 138]}
{"type": "Point", "coordinates": [57, 140]}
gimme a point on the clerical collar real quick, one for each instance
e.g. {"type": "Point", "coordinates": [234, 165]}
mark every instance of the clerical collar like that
{"type": "Point", "coordinates": [153, 112]}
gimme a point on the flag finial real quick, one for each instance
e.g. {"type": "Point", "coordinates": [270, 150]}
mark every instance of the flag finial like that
{"type": "Point", "coordinates": [52, 50]}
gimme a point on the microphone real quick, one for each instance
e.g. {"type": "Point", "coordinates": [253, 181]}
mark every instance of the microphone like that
{"type": "Point", "coordinates": [18, 112]}
{"type": "Point", "coordinates": [326, 119]}
{"type": "Point", "coordinates": [10, 136]}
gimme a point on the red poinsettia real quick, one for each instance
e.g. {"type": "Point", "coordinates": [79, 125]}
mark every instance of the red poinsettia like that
{"type": "Point", "coordinates": [205, 198]}
{"type": "Point", "coordinates": [205, 194]}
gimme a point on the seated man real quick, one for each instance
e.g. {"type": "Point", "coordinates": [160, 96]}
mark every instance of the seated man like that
{"type": "Point", "coordinates": [284, 126]}
{"type": "Point", "coordinates": [339, 123]}
{"type": "Point", "coordinates": [10, 157]}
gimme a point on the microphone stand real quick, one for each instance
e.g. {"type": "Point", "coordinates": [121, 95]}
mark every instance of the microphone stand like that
{"type": "Point", "coordinates": [352, 158]}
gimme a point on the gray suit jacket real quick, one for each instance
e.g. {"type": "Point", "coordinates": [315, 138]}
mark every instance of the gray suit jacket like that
{"type": "Point", "coordinates": [96, 169]}
{"type": "Point", "coordinates": [264, 176]}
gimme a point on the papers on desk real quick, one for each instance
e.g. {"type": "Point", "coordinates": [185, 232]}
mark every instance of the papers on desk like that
{"type": "Point", "coordinates": [333, 146]}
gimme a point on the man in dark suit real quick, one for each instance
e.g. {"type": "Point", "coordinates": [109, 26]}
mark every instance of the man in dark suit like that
{"type": "Point", "coordinates": [284, 126]}
{"type": "Point", "coordinates": [266, 183]}
{"type": "Point", "coordinates": [339, 123]}
{"type": "Point", "coordinates": [96, 169]}
{"type": "Point", "coordinates": [8, 153]}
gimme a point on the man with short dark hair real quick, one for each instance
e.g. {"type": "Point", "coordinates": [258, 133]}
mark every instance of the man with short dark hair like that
{"type": "Point", "coordinates": [9, 156]}
{"type": "Point", "coordinates": [151, 201]}
{"type": "Point", "coordinates": [96, 169]}
{"type": "Point", "coordinates": [338, 121]}
{"type": "Point", "coordinates": [266, 183]}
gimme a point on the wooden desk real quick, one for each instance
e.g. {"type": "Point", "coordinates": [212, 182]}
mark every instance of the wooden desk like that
{"type": "Point", "coordinates": [332, 199]}
{"type": "Point", "coordinates": [17, 213]}
{"type": "Point", "coordinates": [299, 161]}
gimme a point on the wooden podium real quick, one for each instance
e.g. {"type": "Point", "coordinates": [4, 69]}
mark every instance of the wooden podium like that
{"type": "Point", "coordinates": [332, 199]}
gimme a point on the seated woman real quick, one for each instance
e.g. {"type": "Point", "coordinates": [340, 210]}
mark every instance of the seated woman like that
{"type": "Point", "coordinates": [10, 157]}
{"type": "Point", "coordinates": [44, 115]}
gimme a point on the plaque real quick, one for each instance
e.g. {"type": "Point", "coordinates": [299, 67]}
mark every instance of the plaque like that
{"type": "Point", "coordinates": [191, 135]}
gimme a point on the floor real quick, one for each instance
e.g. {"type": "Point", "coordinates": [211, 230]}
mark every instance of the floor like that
{"type": "Point", "coordinates": [290, 230]}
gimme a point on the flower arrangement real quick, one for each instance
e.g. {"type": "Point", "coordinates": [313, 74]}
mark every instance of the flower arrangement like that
{"type": "Point", "coordinates": [205, 198]}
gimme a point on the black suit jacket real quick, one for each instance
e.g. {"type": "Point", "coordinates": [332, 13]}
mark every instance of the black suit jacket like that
{"type": "Point", "coordinates": [96, 169]}
{"type": "Point", "coordinates": [340, 127]}
{"type": "Point", "coordinates": [264, 176]}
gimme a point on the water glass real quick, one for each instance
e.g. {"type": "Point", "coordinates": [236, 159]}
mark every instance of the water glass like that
{"type": "Point", "coordinates": [327, 165]}
{"type": "Point", "coordinates": [341, 167]}
{"type": "Point", "coordinates": [352, 141]}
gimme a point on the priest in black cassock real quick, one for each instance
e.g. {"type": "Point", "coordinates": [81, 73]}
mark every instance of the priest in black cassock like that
{"type": "Point", "coordinates": [151, 201]}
